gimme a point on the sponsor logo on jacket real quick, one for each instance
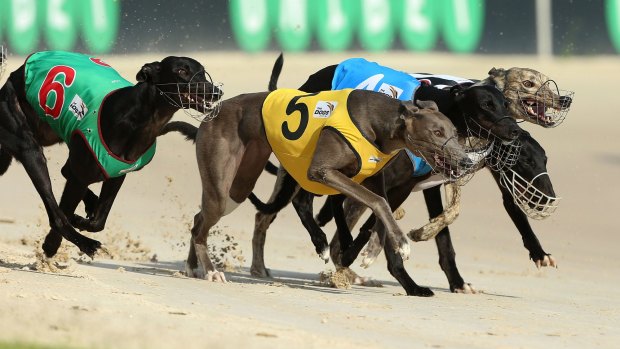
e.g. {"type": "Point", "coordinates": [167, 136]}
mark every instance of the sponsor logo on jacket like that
{"type": "Point", "coordinates": [324, 109]}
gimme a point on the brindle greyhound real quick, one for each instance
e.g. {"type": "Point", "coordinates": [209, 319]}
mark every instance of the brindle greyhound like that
{"type": "Point", "coordinates": [233, 150]}
{"type": "Point", "coordinates": [535, 97]}
{"type": "Point", "coordinates": [130, 118]}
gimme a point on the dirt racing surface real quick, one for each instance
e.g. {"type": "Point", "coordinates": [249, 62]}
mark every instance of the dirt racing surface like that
{"type": "Point", "coordinates": [136, 296]}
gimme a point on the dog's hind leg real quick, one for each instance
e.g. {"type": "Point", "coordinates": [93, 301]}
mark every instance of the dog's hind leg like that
{"type": "Point", "coordinates": [228, 180]}
{"type": "Point", "coordinates": [447, 255]}
{"type": "Point", "coordinates": [262, 221]}
{"type": "Point", "coordinates": [71, 196]}
{"type": "Point", "coordinates": [5, 160]}
{"type": "Point", "coordinates": [210, 215]}
{"type": "Point", "coordinates": [353, 212]}
{"type": "Point", "coordinates": [191, 264]}
{"type": "Point", "coordinates": [21, 143]}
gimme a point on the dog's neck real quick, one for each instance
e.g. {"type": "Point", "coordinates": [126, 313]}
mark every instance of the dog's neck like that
{"type": "Point", "coordinates": [132, 118]}
{"type": "Point", "coordinates": [387, 133]}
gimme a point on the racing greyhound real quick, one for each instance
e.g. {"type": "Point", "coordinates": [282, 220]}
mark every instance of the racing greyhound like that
{"type": "Point", "coordinates": [234, 148]}
{"type": "Point", "coordinates": [109, 124]}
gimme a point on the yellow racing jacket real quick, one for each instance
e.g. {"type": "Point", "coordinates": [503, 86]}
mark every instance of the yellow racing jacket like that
{"type": "Point", "coordinates": [293, 121]}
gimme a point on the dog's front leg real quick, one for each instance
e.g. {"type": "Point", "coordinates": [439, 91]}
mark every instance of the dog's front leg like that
{"type": "Point", "coordinates": [303, 206]}
{"type": "Point", "coordinates": [397, 269]}
{"type": "Point", "coordinates": [447, 255]}
{"type": "Point", "coordinates": [379, 205]}
{"type": "Point", "coordinates": [90, 201]}
{"type": "Point", "coordinates": [96, 222]}
{"type": "Point", "coordinates": [530, 241]}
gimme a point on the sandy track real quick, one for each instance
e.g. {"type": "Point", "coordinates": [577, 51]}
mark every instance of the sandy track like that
{"type": "Point", "coordinates": [133, 302]}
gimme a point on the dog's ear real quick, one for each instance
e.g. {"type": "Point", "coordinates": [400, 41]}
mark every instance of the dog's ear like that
{"type": "Point", "coordinates": [149, 73]}
{"type": "Point", "coordinates": [427, 105]}
{"type": "Point", "coordinates": [456, 92]}
{"type": "Point", "coordinates": [407, 109]}
{"type": "Point", "coordinates": [498, 77]}
{"type": "Point", "coordinates": [495, 72]}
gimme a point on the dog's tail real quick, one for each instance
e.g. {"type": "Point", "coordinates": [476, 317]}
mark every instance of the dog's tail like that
{"type": "Point", "coordinates": [5, 161]}
{"type": "Point", "coordinates": [188, 130]}
{"type": "Point", "coordinates": [283, 197]}
{"type": "Point", "coordinates": [271, 168]}
{"type": "Point", "coordinates": [275, 73]}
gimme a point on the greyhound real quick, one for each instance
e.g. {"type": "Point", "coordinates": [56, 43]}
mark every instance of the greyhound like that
{"type": "Point", "coordinates": [233, 149]}
{"type": "Point", "coordinates": [110, 128]}
{"type": "Point", "coordinates": [534, 97]}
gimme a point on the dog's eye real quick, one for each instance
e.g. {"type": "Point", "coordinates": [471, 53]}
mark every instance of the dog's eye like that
{"type": "Point", "coordinates": [182, 71]}
{"type": "Point", "coordinates": [528, 84]}
{"type": "Point", "coordinates": [489, 105]}
{"type": "Point", "coordinates": [437, 133]}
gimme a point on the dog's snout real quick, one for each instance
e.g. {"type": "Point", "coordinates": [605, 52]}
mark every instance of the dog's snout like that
{"type": "Point", "coordinates": [565, 101]}
{"type": "Point", "coordinates": [515, 133]}
{"type": "Point", "coordinates": [466, 163]}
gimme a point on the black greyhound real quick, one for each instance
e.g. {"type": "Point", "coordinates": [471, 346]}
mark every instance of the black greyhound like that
{"type": "Point", "coordinates": [531, 166]}
{"type": "Point", "coordinates": [483, 104]}
{"type": "Point", "coordinates": [129, 120]}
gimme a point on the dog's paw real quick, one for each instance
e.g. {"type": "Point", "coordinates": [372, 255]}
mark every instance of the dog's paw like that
{"type": "Point", "coordinates": [260, 272]}
{"type": "Point", "coordinates": [399, 213]}
{"type": "Point", "coordinates": [367, 260]}
{"type": "Point", "coordinates": [190, 272]}
{"type": "Point", "coordinates": [51, 244]}
{"type": "Point", "coordinates": [404, 249]}
{"type": "Point", "coordinates": [467, 288]}
{"type": "Point", "coordinates": [546, 261]}
{"type": "Point", "coordinates": [324, 255]}
{"type": "Point", "coordinates": [421, 292]}
{"type": "Point", "coordinates": [90, 247]}
{"type": "Point", "coordinates": [215, 276]}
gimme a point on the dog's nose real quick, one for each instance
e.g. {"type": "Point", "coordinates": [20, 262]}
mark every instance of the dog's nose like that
{"type": "Point", "coordinates": [565, 101]}
{"type": "Point", "coordinates": [217, 92]}
{"type": "Point", "coordinates": [466, 163]}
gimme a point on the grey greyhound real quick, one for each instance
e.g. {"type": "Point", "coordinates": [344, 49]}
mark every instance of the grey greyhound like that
{"type": "Point", "coordinates": [233, 149]}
